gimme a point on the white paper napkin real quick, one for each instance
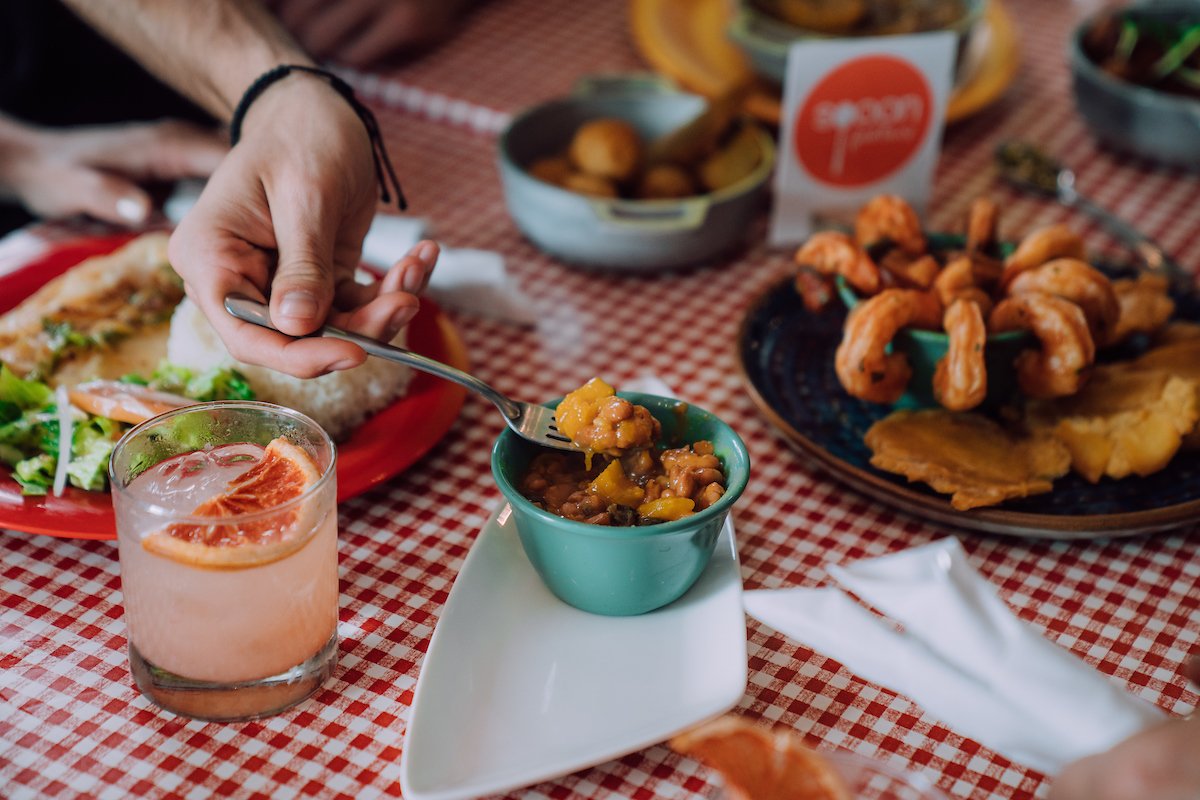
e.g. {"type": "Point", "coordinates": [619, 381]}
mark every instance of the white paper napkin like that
{"type": "Point", "coordinates": [952, 645]}
{"type": "Point", "coordinates": [468, 280]}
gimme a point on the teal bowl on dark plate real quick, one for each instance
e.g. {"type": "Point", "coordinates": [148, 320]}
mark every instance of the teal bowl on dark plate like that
{"type": "Point", "coordinates": [924, 349]}
{"type": "Point", "coordinates": [624, 571]}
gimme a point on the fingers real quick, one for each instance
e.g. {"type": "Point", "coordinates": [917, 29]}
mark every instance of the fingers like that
{"type": "Point", "coordinates": [382, 318]}
{"type": "Point", "coordinates": [182, 150]}
{"type": "Point", "coordinates": [303, 287]}
{"type": "Point", "coordinates": [223, 265]}
{"type": "Point", "coordinates": [328, 27]}
{"type": "Point", "coordinates": [293, 13]}
{"type": "Point", "coordinates": [164, 150]}
{"type": "Point", "coordinates": [412, 272]}
{"type": "Point", "coordinates": [399, 26]}
{"type": "Point", "coordinates": [106, 197]}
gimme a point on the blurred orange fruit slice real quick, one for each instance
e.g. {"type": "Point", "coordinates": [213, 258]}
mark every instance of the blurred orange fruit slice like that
{"type": "Point", "coordinates": [761, 764]}
{"type": "Point", "coordinates": [284, 473]}
{"type": "Point", "coordinates": [124, 402]}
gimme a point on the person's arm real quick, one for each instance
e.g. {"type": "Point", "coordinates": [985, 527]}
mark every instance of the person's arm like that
{"type": "Point", "coordinates": [285, 214]}
{"type": "Point", "coordinates": [209, 50]}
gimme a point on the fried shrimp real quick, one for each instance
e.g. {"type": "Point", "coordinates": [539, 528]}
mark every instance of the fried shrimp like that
{"type": "Point", "coordinates": [1062, 365]}
{"type": "Point", "coordinates": [958, 281]}
{"type": "Point", "coordinates": [1044, 244]}
{"type": "Point", "coordinates": [863, 366]}
{"type": "Point", "coordinates": [832, 253]}
{"type": "Point", "coordinates": [1080, 283]}
{"type": "Point", "coordinates": [814, 288]}
{"type": "Point", "coordinates": [891, 218]}
{"type": "Point", "coordinates": [981, 224]}
{"type": "Point", "coordinates": [960, 380]}
{"type": "Point", "coordinates": [1144, 306]}
{"type": "Point", "coordinates": [915, 273]}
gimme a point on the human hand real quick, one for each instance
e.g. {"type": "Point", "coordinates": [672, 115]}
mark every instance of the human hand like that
{"type": "Point", "coordinates": [362, 32]}
{"type": "Point", "coordinates": [96, 170]}
{"type": "Point", "coordinates": [1160, 763]}
{"type": "Point", "coordinates": [284, 217]}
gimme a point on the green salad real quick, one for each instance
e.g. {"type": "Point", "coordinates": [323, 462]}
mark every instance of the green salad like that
{"type": "Point", "coordinates": [30, 414]}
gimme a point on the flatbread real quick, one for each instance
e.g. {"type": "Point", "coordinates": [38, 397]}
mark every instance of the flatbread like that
{"type": "Point", "coordinates": [90, 308]}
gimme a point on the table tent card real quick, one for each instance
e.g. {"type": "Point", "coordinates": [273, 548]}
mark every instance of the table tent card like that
{"type": "Point", "coordinates": [861, 117]}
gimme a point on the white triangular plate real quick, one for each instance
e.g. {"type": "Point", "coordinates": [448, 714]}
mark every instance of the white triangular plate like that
{"type": "Point", "coordinates": [518, 687]}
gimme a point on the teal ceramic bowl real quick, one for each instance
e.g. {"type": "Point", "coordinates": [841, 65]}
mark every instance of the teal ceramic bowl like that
{"type": "Point", "coordinates": [924, 349]}
{"type": "Point", "coordinates": [624, 571]}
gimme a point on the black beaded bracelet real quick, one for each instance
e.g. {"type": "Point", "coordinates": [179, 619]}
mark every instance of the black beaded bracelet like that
{"type": "Point", "coordinates": [383, 164]}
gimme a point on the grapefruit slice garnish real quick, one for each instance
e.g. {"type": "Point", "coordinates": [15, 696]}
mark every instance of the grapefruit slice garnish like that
{"type": "Point", "coordinates": [761, 764]}
{"type": "Point", "coordinates": [284, 473]}
{"type": "Point", "coordinates": [124, 402]}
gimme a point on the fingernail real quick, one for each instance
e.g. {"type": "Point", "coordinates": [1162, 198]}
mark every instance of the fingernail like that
{"type": "Point", "coordinates": [411, 281]}
{"type": "Point", "coordinates": [300, 305]}
{"type": "Point", "coordinates": [131, 210]}
{"type": "Point", "coordinates": [337, 365]}
{"type": "Point", "coordinates": [427, 252]}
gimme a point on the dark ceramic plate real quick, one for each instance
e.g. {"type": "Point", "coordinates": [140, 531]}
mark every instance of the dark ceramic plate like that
{"type": "Point", "coordinates": [785, 354]}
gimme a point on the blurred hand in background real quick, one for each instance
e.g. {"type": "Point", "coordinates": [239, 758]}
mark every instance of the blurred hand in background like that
{"type": "Point", "coordinates": [361, 33]}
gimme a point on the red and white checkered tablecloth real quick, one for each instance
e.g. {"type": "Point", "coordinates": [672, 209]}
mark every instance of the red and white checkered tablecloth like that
{"type": "Point", "coordinates": [72, 724]}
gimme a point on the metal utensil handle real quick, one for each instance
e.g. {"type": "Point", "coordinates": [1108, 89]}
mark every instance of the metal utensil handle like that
{"type": "Point", "coordinates": [1154, 256]}
{"type": "Point", "coordinates": [254, 312]}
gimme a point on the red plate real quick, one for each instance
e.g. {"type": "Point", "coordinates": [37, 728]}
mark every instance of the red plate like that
{"type": "Point", "coordinates": [383, 446]}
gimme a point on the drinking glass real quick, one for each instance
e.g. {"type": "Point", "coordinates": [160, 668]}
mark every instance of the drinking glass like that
{"type": "Point", "coordinates": [230, 590]}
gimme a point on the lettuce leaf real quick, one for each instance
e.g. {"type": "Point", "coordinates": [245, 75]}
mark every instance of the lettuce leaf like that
{"type": "Point", "coordinates": [219, 383]}
{"type": "Point", "coordinates": [24, 394]}
{"type": "Point", "coordinates": [91, 446]}
{"type": "Point", "coordinates": [36, 474]}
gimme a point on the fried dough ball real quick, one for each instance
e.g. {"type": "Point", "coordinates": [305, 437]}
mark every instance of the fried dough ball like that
{"type": "Point", "coordinates": [665, 182]}
{"type": "Point", "coordinates": [608, 148]}
{"type": "Point", "coordinates": [554, 169]}
{"type": "Point", "coordinates": [827, 16]}
{"type": "Point", "coordinates": [590, 184]}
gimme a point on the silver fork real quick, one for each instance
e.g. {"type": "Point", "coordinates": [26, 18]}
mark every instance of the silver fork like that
{"type": "Point", "coordinates": [529, 421]}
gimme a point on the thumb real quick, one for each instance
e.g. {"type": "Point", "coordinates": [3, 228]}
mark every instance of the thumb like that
{"type": "Point", "coordinates": [106, 197]}
{"type": "Point", "coordinates": [302, 289]}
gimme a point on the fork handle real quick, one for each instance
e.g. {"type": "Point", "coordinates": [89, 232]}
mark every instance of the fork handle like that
{"type": "Point", "coordinates": [1151, 254]}
{"type": "Point", "coordinates": [256, 313]}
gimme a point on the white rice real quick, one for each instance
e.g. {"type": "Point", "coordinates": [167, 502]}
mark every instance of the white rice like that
{"type": "Point", "coordinates": [338, 402]}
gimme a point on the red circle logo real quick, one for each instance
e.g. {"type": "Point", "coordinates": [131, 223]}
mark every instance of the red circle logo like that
{"type": "Point", "coordinates": [863, 121]}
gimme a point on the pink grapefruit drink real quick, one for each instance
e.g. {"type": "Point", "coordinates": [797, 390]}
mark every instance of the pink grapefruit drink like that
{"type": "Point", "coordinates": [228, 559]}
